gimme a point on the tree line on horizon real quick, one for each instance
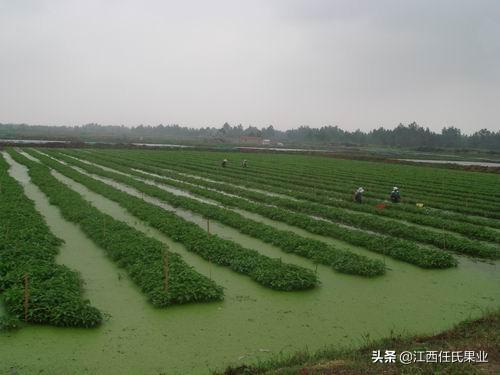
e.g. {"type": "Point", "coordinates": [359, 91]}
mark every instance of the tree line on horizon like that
{"type": "Point", "coordinates": [411, 135]}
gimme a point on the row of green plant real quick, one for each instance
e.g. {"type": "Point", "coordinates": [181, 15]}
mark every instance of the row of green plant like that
{"type": "Point", "coordinates": [35, 289]}
{"type": "Point", "coordinates": [339, 185]}
{"type": "Point", "coordinates": [374, 184]}
{"type": "Point", "coordinates": [336, 210]}
{"type": "Point", "coordinates": [424, 217]}
{"type": "Point", "coordinates": [143, 258]}
{"type": "Point", "coordinates": [449, 212]}
{"type": "Point", "coordinates": [388, 176]}
{"type": "Point", "coordinates": [364, 221]}
{"type": "Point", "coordinates": [335, 177]}
{"type": "Point", "coordinates": [272, 273]}
{"type": "Point", "coordinates": [460, 182]}
{"type": "Point", "coordinates": [397, 248]}
{"type": "Point", "coordinates": [320, 252]}
{"type": "Point", "coordinates": [474, 203]}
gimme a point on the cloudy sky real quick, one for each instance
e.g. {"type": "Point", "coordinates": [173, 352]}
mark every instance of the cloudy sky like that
{"type": "Point", "coordinates": [356, 64]}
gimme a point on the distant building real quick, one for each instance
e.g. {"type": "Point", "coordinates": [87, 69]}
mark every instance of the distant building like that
{"type": "Point", "coordinates": [266, 141]}
{"type": "Point", "coordinates": [250, 139]}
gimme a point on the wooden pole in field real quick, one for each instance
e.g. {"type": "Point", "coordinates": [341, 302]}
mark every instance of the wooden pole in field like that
{"type": "Point", "coordinates": [444, 238]}
{"type": "Point", "coordinates": [209, 268]}
{"type": "Point", "coordinates": [166, 270]}
{"type": "Point", "coordinates": [26, 296]}
{"type": "Point", "coordinates": [209, 265]}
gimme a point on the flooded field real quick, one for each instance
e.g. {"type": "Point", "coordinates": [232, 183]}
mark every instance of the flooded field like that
{"type": "Point", "coordinates": [252, 323]}
{"type": "Point", "coordinates": [458, 162]}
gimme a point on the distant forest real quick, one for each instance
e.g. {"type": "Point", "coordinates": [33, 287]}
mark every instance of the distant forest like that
{"type": "Point", "coordinates": [411, 135]}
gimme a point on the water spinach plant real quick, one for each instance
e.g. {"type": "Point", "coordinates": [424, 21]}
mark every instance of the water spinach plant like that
{"type": "Point", "coordinates": [443, 240]}
{"type": "Point", "coordinates": [320, 252]}
{"type": "Point", "coordinates": [290, 187]}
{"type": "Point", "coordinates": [397, 248]}
{"type": "Point", "coordinates": [142, 257]}
{"type": "Point", "coordinates": [272, 273]}
{"type": "Point", "coordinates": [34, 288]}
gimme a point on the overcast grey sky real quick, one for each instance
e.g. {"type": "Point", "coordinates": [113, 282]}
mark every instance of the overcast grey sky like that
{"type": "Point", "coordinates": [355, 64]}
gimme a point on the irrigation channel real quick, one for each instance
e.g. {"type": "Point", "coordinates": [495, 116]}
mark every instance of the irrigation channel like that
{"type": "Point", "coordinates": [252, 322]}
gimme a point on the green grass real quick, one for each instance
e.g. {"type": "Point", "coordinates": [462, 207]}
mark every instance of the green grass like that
{"type": "Point", "coordinates": [475, 335]}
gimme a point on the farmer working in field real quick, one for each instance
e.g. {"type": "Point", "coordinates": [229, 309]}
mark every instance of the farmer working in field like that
{"type": "Point", "coordinates": [358, 195]}
{"type": "Point", "coordinates": [224, 162]}
{"type": "Point", "coordinates": [244, 163]}
{"type": "Point", "coordinates": [395, 195]}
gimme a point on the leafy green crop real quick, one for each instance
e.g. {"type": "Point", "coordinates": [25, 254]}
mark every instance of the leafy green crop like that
{"type": "Point", "coordinates": [396, 248]}
{"type": "Point", "coordinates": [290, 186]}
{"type": "Point", "coordinates": [27, 247]}
{"type": "Point", "coordinates": [314, 175]}
{"type": "Point", "coordinates": [342, 261]}
{"type": "Point", "coordinates": [141, 256]}
{"type": "Point", "coordinates": [405, 231]}
{"type": "Point", "coordinates": [269, 272]}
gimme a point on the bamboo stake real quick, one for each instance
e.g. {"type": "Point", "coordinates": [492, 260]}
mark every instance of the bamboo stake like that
{"type": "Point", "coordinates": [166, 270]}
{"type": "Point", "coordinates": [26, 296]}
{"type": "Point", "coordinates": [209, 263]}
{"type": "Point", "coordinates": [444, 238]}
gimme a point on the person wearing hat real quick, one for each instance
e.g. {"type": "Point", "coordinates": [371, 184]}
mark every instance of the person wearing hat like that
{"type": "Point", "coordinates": [224, 162]}
{"type": "Point", "coordinates": [358, 195]}
{"type": "Point", "coordinates": [395, 195]}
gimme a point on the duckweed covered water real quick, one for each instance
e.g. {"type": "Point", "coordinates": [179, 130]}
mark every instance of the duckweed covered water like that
{"type": "Point", "coordinates": [253, 322]}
